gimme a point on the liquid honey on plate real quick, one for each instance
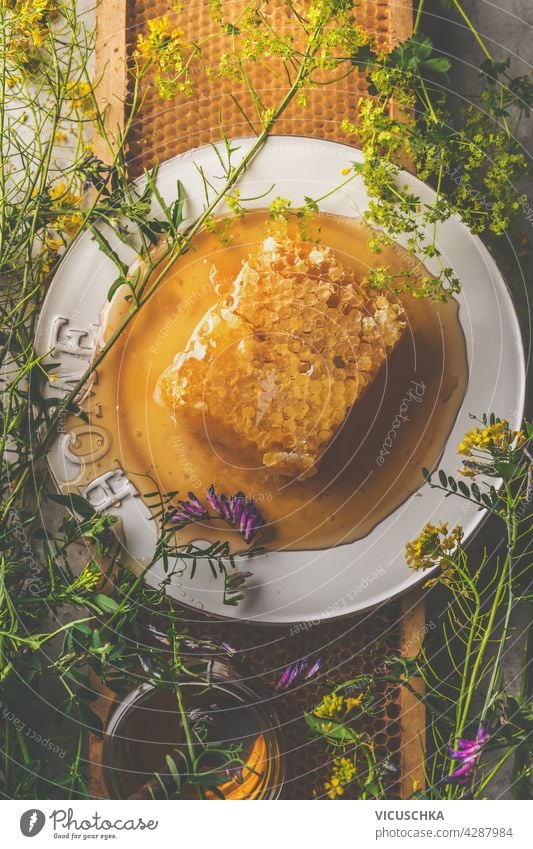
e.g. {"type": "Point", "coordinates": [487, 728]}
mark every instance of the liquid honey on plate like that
{"type": "Point", "coordinates": [373, 461]}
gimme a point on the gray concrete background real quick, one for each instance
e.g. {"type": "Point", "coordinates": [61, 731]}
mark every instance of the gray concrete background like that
{"type": "Point", "coordinates": [507, 29]}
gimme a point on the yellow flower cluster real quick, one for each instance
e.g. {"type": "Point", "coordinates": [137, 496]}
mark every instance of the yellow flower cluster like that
{"type": "Point", "coordinates": [332, 705]}
{"type": "Point", "coordinates": [432, 546]}
{"type": "Point", "coordinates": [497, 437]}
{"type": "Point", "coordinates": [279, 207]}
{"type": "Point", "coordinates": [343, 39]}
{"type": "Point", "coordinates": [335, 706]}
{"type": "Point", "coordinates": [81, 97]}
{"type": "Point", "coordinates": [164, 49]}
{"type": "Point", "coordinates": [233, 202]}
{"type": "Point", "coordinates": [343, 772]}
{"type": "Point", "coordinates": [29, 24]}
{"type": "Point", "coordinates": [88, 579]}
{"type": "Point", "coordinates": [64, 205]}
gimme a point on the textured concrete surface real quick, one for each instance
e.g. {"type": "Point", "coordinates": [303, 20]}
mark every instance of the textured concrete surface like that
{"type": "Point", "coordinates": [507, 30]}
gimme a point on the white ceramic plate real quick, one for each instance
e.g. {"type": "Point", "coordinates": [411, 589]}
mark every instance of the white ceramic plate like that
{"type": "Point", "coordinates": [295, 586]}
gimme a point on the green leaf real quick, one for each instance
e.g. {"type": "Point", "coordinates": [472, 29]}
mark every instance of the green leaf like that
{"type": "Point", "coordinates": [464, 489]}
{"type": "Point", "coordinates": [177, 206]}
{"type": "Point", "coordinates": [452, 483]}
{"type": "Point", "coordinates": [415, 55]}
{"type": "Point", "coordinates": [443, 479]}
{"type": "Point", "coordinates": [494, 67]}
{"type": "Point", "coordinates": [105, 603]}
{"type": "Point", "coordinates": [74, 502]}
{"type": "Point", "coordinates": [173, 770]}
{"type": "Point", "coordinates": [505, 470]}
{"type": "Point", "coordinates": [106, 249]}
{"type": "Point", "coordinates": [364, 57]}
{"type": "Point", "coordinates": [218, 793]}
{"type": "Point", "coordinates": [120, 281]}
{"type": "Point", "coordinates": [83, 628]}
{"type": "Point", "coordinates": [93, 721]}
{"type": "Point", "coordinates": [320, 727]}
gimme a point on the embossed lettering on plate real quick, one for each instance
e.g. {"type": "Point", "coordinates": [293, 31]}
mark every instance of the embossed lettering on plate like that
{"type": "Point", "coordinates": [73, 347]}
{"type": "Point", "coordinates": [68, 339]}
{"type": "Point", "coordinates": [109, 490]}
{"type": "Point", "coordinates": [92, 448]}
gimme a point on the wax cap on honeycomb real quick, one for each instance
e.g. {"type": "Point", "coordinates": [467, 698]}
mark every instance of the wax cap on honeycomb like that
{"type": "Point", "coordinates": [275, 366]}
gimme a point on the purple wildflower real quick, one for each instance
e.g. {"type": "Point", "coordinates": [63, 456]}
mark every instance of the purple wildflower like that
{"type": "Point", "coordinates": [235, 773]}
{"type": "Point", "coordinates": [237, 511]}
{"type": "Point", "coordinates": [97, 174]}
{"type": "Point", "coordinates": [213, 501]}
{"type": "Point", "coordinates": [236, 580]}
{"type": "Point", "coordinates": [250, 521]}
{"type": "Point", "coordinates": [158, 635]}
{"type": "Point", "coordinates": [314, 668]}
{"type": "Point", "coordinates": [228, 648]}
{"type": "Point", "coordinates": [467, 753]}
{"type": "Point", "coordinates": [199, 645]}
{"type": "Point", "coordinates": [301, 667]}
{"type": "Point", "coordinates": [189, 511]}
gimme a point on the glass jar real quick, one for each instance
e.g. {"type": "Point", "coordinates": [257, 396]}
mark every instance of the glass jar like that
{"type": "Point", "coordinates": [145, 728]}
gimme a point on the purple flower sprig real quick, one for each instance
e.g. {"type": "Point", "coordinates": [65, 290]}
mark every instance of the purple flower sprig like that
{"type": "Point", "coordinates": [98, 175]}
{"type": "Point", "coordinates": [189, 511]}
{"type": "Point", "coordinates": [233, 584]}
{"type": "Point", "coordinates": [467, 753]}
{"type": "Point", "coordinates": [236, 510]}
{"type": "Point", "coordinates": [303, 668]}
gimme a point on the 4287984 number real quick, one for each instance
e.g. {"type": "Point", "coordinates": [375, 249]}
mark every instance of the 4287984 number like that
{"type": "Point", "coordinates": [486, 831]}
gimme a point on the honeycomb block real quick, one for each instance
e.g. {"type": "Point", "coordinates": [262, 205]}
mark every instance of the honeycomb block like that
{"type": "Point", "coordinates": [277, 363]}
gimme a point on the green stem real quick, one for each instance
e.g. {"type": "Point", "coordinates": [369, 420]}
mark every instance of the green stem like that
{"type": "Point", "coordinates": [418, 18]}
{"type": "Point", "coordinates": [471, 27]}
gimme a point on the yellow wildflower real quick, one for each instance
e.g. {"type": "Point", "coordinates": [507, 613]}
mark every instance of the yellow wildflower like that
{"type": "Point", "coordinates": [57, 191]}
{"type": "Point", "coordinates": [495, 437]}
{"type": "Point", "coordinates": [30, 26]}
{"type": "Point", "coordinates": [60, 137]}
{"type": "Point", "coordinates": [332, 705]}
{"type": "Point", "coordinates": [268, 116]}
{"type": "Point", "coordinates": [279, 207]}
{"type": "Point", "coordinates": [353, 702]}
{"type": "Point", "coordinates": [433, 546]}
{"type": "Point", "coordinates": [164, 48]}
{"type": "Point", "coordinates": [81, 96]}
{"type": "Point", "coordinates": [53, 245]}
{"type": "Point", "coordinates": [66, 220]}
{"type": "Point", "coordinates": [69, 224]}
{"type": "Point", "coordinates": [233, 201]}
{"type": "Point", "coordinates": [343, 772]}
{"type": "Point", "coordinates": [65, 199]}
